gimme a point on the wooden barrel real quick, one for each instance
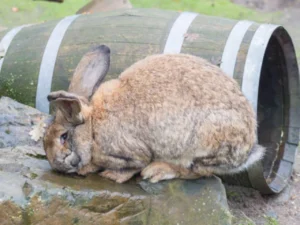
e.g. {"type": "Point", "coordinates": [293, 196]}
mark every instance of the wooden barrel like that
{"type": "Point", "coordinates": [41, 58]}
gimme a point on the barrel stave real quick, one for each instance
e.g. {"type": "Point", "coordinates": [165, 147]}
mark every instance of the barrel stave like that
{"type": "Point", "coordinates": [20, 70]}
{"type": "Point", "coordinates": [242, 54]}
{"type": "Point", "coordinates": [127, 34]}
{"type": "Point", "coordinates": [207, 37]}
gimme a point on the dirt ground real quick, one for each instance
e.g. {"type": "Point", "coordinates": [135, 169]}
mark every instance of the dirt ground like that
{"type": "Point", "coordinates": [247, 205]}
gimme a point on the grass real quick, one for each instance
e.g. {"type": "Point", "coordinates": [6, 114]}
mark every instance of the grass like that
{"type": "Point", "coordinates": [32, 11]}
{"type": "Point", "coordinates": [222, 8]}
{"type": "Point", "coordinates": [271, 221]}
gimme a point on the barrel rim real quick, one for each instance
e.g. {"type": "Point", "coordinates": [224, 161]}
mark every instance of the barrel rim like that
{"type": "Point", "coordinates": [284, 172]}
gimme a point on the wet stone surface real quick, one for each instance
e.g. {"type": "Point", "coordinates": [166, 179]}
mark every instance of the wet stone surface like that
{"type": "Point", "coordinates": [31, 193]}
{"type": "Point", "coordinates": [16, 121]}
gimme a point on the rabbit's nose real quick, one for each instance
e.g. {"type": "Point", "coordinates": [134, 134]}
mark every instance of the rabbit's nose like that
{"type": "Point", "coordinates": [75, 161]}
{"type": "Point", "coordinates": [103, 48]}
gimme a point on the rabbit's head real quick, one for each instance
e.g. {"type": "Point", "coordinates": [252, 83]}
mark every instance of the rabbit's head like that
{"type": "Point", "coordinates": [70, 131]}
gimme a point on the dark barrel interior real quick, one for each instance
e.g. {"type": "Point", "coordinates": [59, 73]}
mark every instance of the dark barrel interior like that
{"type": "Point", "coordinates": [275, 108]}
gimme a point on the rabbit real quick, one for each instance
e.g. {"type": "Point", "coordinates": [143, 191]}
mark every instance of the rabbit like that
{"type": "Point", "coordinates": [167, 116]}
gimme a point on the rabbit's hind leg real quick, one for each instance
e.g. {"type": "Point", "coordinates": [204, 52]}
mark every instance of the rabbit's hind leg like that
{"type": "Point", "coordinates": [157, 171]}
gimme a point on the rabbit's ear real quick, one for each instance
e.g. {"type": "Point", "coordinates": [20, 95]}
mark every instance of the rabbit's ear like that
{"type": "Point", "coordinates": [90, 71]}
{"type": "Point", "coordinates": [69, 104]}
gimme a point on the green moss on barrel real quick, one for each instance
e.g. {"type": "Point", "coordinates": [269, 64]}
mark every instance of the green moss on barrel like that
{"type": "Point", "coordinates": [21, 65]}
{"type": "Point", "coordinates": [132, 35]}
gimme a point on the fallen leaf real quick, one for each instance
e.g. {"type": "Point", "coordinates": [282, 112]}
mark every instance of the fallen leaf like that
{"type": "Point", "coordinates": [293, 197]}
{"type": "Point", "coordinates": [190, 36]}
{"type": "Point", "coordinates": [38, 130]}
{"type": "Point", "coordinates": [14, 9]}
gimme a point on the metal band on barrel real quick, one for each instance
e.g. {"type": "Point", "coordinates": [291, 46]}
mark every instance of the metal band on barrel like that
{"type": "Point", "coordinates": [179, 28]}
{"type": "Point", "coordinates": [48, 63]}
{"type": "Point", "coordinates": [7, 39]}
{"type": "Point", "coordinates": [232, 46]}
{"type": "Point", "coordinates": [250, 88]}
{"type": "Point", "coordinates": [253, 65]}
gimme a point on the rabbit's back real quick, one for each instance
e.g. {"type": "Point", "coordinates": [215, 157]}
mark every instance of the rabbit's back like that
{"type": "Point", "coordinates": [176, 107]}
{"type": "Point", "coordinates": [179, 79]}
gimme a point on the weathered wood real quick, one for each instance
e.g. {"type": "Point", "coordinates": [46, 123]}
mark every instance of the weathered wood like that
{"type": "Point", "coordinates": [59, 1]}
{"type": "Point", "coordinates": [130, 35]}
{"type": "Point", "coordinates": [242, 54]}
{"type": "Point", "coordinates": [22, 61]}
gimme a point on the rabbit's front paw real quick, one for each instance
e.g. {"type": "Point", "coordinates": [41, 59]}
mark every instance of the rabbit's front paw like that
{"type": "Point", "coordinates": [90, 168]}
{"type": "Point", "coordinates": [119, 176]}
{"type": "Point", "coordinates": [157, 171]}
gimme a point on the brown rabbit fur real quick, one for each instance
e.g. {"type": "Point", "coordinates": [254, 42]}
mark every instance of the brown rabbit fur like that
{"type": "Point", "coordinates": [169, 116]}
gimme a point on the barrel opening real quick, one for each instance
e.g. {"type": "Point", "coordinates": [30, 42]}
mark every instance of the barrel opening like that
{"type": "Point", "coordinates": [274, 108]}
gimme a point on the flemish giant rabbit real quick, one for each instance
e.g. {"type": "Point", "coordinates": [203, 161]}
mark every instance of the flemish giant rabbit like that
{"type": "Point", "coordinates": [167, 116]}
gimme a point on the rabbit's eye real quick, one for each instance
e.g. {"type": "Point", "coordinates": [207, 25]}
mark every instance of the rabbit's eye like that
{"type": "Point", "coordinates": [63, 138]}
